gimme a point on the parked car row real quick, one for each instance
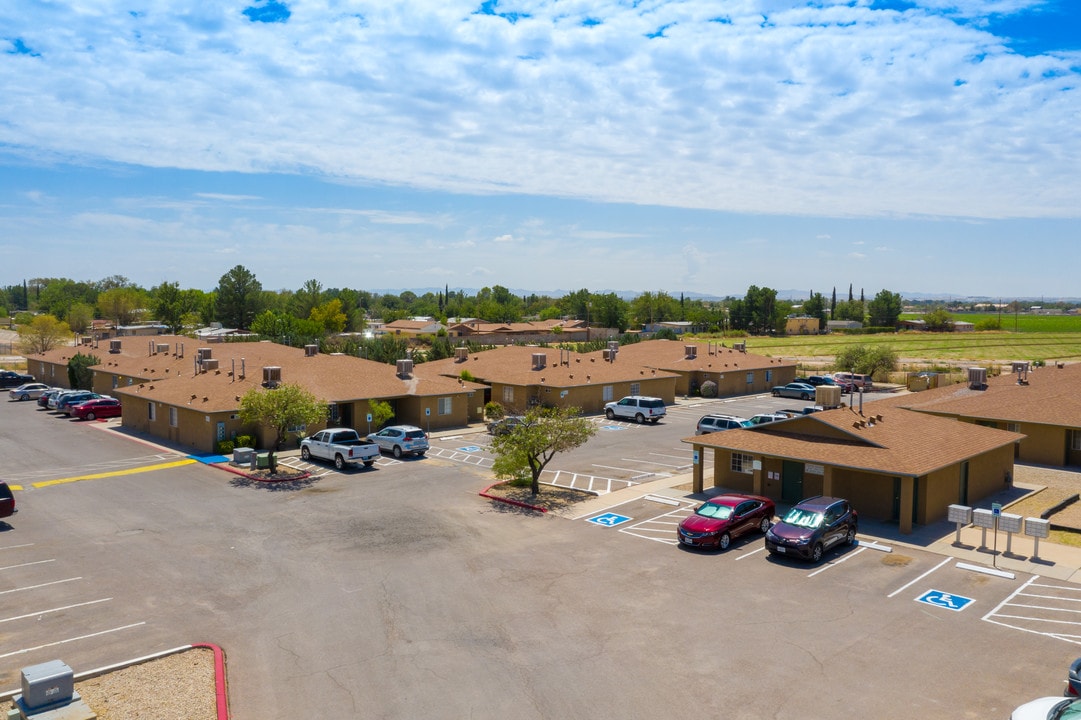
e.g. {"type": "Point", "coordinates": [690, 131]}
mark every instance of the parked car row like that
{"type": "Point", "coordinates": [807, 531]}
{"type": "Point", "coordinates": [81, 404]}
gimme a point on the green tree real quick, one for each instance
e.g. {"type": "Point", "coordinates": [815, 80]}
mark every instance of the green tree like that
{"type": "Point", "coordinates": [307, 299]}
{"type": "Point", "coordinates": [55, 296]}
{"type": "Point", "coordinates": [122, 304]}
{"type": "Point", "coordinates": [41, 334]}
{"type": "Point", "coordinates": [80, 317]}
{"type": "Point", "coordinates": [874, 360]}
{"type": "Point", "coordinates": [279, 409]}
{"type": "Point", "coordinates": [849, 310]}
{"type": "Point", "coordinates": [174, 307]}
{"type": "Point", "coordinates": [938, 320]}
{"type": "Point", "coordinates": [381, 411]}
{"type": "Point", "coordinates": [239, 297]}
{"type": "Point", "coordinates": [330, 316]}
{"type": "Point", "coordinates": [885, 309]}
{"type": "Point", "coordinates": [543, 434]}
{"type": "Point", "coordinates": [610, 311]}
{"type": "Point", "coordinates": [79, 374]}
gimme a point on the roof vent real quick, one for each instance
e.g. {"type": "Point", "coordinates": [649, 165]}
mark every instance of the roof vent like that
{"type": "Point", "coordinates": [1020, 368]}
{"type": "Point", "coordinates": [539, 361]}
{"type": "Point", "coordinates": [311, 350]}
{"type": "Point", "coordinates": [272, 376]}
{"type": "Point", "coordinates": [461, 354]}
{"type": "Point", "coordinates": [977, 378]}
{"type": "Point", "coordinates": [690, 352]}
{"type": "Point", "coordinates": [405, 368]}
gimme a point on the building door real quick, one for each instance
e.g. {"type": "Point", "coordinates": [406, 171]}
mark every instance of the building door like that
{"type": "Point", "coordinates": [791, 481]}
{"type": "Point", "coordinates": [219, 434]}
{"type": "Point", "coordinates": [962, 496]}
{"type": "Point", "coordinates": [895, 511]}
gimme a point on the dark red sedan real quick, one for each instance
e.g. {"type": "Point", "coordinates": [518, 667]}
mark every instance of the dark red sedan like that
{"type": "Point", "coordinates": [719, 519]}
{"type": "Point", "coordinates": [96, 408]}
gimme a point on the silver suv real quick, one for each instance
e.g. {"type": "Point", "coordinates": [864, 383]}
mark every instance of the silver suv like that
{"type": "Point", "coordinates": [715, 422]}
{"type": "Point", "coordinates": [636, 407]}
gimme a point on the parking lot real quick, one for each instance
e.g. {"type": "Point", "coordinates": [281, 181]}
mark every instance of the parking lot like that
{"type": "Point", "coordinates": [398, 592]}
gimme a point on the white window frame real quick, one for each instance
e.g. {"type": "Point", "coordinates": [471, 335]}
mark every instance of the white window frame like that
{"type": "Point", "coordinates": [607, 393]}
{"type": "Point", "coordinates": [742, 463]}
{"type": "Point", "coordinates": [769, 377]}
{"type": "Point", "coordinates": [508, 394]}
{"type": "Point", "coordinates": [173, 417]}
{"type": "Point", "coordinates": [1075, 440]}
{"type": "Point", "coordinates": [151, 411]}
{"type": "Point", "coordinates": [444, 406]}
{"type": "Point", "coordinates": [636, 388]}
{"type": "Point", "coordinates": [1013, 427]}
{"type": "Point", "coordinates": [750, 378]}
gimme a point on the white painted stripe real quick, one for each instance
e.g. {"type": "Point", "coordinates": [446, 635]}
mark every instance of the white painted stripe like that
{"type": "Point", "coordinates": [846, 558]}
{"type": "Point", "coordinates": [921, 577]}
{"type": "Point", "coordinates": [36, 562]}
{"type": "Point", "coordinates": [1056, 587]}
{"type": "Point", "coordinates": [986, 570]}
{"type": "Point", "coordinates": [46, 612]}
{"type": "Point", "coordinates": [35, 587]}
{"type": "Point", "coordinates": [649, 462]}
{"type": "Point", "coordinates": [70, 640]}
{"type": "Point", "coordinates": [1051, 597]}
{"type": "Point", "coordinates": [16, 547]}
{"type": "Point", "coordinates": [664, 500]}
{"type": "Point", "coordinates": [1039, 619]}
{"type": "Point", "coordinates": [753, 552]}
{"type": "Point", "coordinates": [1043, 607]}
{"type": "Point", "coordinates": [1012, 595]}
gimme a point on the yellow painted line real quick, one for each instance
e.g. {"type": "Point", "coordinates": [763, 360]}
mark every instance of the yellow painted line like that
{"type": "Point", "coordinates": [115, 473]}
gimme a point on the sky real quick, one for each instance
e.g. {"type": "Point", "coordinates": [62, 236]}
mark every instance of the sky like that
{"type": "Point", "coordinates": [923, 147]}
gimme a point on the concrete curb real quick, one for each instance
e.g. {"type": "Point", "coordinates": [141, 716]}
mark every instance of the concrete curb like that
{"type": "Point", "coordinates": [256, 478]}
{"type": "Point", "coordinates": [485, 494]}
{"type": "Point", "coordinates": [221, 690]}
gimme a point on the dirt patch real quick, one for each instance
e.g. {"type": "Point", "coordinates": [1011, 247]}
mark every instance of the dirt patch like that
{"type": "Point", "coordinates": [894, 559]}
{"type": "Point", "coordinates": [550, 497]}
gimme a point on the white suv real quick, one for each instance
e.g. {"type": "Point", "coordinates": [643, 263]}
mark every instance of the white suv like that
{"type": "Point", "coordinates": [715, 422]}
{"type": "Point", "coordinates": [636, 407]}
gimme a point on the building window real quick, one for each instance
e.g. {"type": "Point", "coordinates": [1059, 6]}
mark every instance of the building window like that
{"type": "Point", "coordinates": [769, 377]}
{"type": "Point", "coordinates": [508, 395]}
{"type": "Point", "coordinates": [172, 417]}
{"type": "Point", "coordinates": [1013, 427]}
{"type": "Point", "coordinates": [151, 412]}
{"type": "Point", "coordinates": [444, 406]}
{"type": "Point", "coordinates": [636, 388]}
{"type": "Point", "coordinates": [742, 463]}
{"type": "Point", "coordinates": [750, 378]}
{"type": "Point", "coordinates": [298, 429]}
{"type": "Point", "coordinates": [606, 393]}
{"type": "Point", "coordinates": [131, 380]}
{"type": "Point", "coordinates": [116, 382]}
{"type": "Point", "coordinates": [1075, 440]}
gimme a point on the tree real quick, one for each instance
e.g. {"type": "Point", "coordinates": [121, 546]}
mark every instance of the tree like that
{"type": "Point", "coordinates": [80, 376]}
{"type": "Point", "coordinates": [123, 304]}
{"type": "Point", "coordinates": [816, 307]}
{"type": "Point", "coordinates": [885, 309]}
{"type": "Point", "coordinates": [279, 409]}
{"type": "Point", "coordinates": [938, 320]}
{"type": "Point", "coordinates": [307, 298]}
{"type": "Point", "coordinates": [330, 316]}
{"type": "Point", "coordinates": [239, 297]}
{"type": "Point", "coordinates": [866, 359]}
{"type": "Point", "coordinates": [41, 334]}
{"type": "Point", "coordinates": [849, 310]}
{"type": "Point", "coordinates": [80, 317]}
{"type": "Point", "coordinates": [542, 434]}
{"type": "Point", "coordinates": [174, 307]}
{"type": "Point", "coordinates": [381, 412]}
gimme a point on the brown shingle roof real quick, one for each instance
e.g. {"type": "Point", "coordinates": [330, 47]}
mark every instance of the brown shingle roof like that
{"type": "Point", "coordinates": [1051, 397]}
{"type": "Point", "coordinates": [513, 365]}
{"type": "Point", "coordinates": [892, 440]}
{"type": "Point", "coordinates": [670, 355]}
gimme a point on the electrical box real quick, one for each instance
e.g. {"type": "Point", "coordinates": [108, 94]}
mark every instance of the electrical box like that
{"type": "Point", "coordinates": [49, 683]}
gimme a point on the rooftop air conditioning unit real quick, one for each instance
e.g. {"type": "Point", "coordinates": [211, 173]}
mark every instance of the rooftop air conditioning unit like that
{"type": "Point", "coordinates": [272, 376]}
{"type": "Point", "coordinates": [209, 364]}
{"type": "Point", "coordinates": [690, 352]}
{"type": "Point", "coordinates": [161, 348]}
{"type": "Point", "coordinates": [311, 350]}
{"type": "Point", "coordinates": [613, 345]}
{"type": "Point", "coordinates": [977, 378]}
{"type": "Point", "coordinates": [461, 354]}
{"type": "Point", "coordinates": [114, 346]}
{"type": "Point", "coordinates": [405, 368]}
{"type": "Point", "coordinates": [1020, 368]}
{"type": "Point", "coordinates": [608, 355]}
{"type": "Point", "coordinates": [539, 361]}
{"type": "Point", "coordinates": [203, 354]}
{"type": "Point", "coordinates": [740, 347]}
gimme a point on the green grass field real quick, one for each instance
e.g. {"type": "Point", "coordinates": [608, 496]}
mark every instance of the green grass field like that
{"type": "Point", "coordinates": [925, 347]}
{"type": "Point", "coordinates": [1019, 323]}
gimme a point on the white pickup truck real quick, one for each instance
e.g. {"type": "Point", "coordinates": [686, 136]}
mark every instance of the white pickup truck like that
{"type": "Point", "coordinates": [343, 446]}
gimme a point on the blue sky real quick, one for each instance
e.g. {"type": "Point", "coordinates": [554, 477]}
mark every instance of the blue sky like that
{"type": "Point", "coordinates": [922, 147]}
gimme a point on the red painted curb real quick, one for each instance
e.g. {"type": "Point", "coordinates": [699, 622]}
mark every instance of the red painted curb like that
{"type": "Point", "coordinates": [485, 494]}
{"type": "Point", "coordinates": [220, 692]}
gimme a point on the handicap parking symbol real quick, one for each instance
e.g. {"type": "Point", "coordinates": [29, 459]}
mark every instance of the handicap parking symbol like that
{"type": "Point", "coordinates": [957, 603]}
{"type": "Point", "coordinates": [609, 519]}
{"type": "Point", "coordinates": [612, 427]}
{"type": "Point", "coordinates": [469, 448]}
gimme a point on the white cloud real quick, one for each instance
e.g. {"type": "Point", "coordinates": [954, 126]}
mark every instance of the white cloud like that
{"type": "Point", "coordinates": [506, 238]}
{"type": "Point", "coordinates": [838, 110]}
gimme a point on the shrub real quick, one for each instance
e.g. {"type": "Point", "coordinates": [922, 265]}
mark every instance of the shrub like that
{"type": "Point", "coordinates": [709, 389]}
{"type": "Point", "coordinates": [225, 447]}
{"type": "Point", "coordinates": [467, 376]}
{"type": "Point", "coordinates": [247, 441]}
{"type": "Point", "coordinates": [493, 410]}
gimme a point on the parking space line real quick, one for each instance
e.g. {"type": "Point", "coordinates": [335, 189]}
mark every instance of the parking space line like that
{"type": "Point", "coordinates": [921, 577]}
{"type": "Point", "coordinates": [39, 613]}
{"type": "Point", "coordinates": [114, 473]}
{"type": "Point", "coordinates": [843, 559]}
{"type": "Point", "coordinates": [16, 547]}
{"type": "Point", "coordinates": [36, 587]}
{"type": "Point", "coordinates": [36, 562]}
{"type": "Point", "coordinates": [70, 640]}
{"type": "Point", "coordinates": [649, 462]}
{"type": "Point", "coordinates": [752, 552]}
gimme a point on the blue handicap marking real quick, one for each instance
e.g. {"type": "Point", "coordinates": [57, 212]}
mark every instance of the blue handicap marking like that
{"type": "Point", "coordinates": [609, 519]}
{"type": "Point", "coordinates": [957, 603]}
{"type": "Point", "coordinates": [469, 448]}
{"type": "Point", "coordinates": [612, 427]}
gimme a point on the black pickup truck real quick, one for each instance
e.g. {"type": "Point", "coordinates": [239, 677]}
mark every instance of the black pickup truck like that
{"type": "Point", "coordinates": [10, 379]}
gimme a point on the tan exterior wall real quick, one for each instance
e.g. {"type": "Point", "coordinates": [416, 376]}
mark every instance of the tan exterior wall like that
{"type": "Point", "coordinates": [987, 475]}
{"type": "Point", "coordinates": [1045, 444]}
{"type": "Point", "coordinates": [48, 372]}
{"type": "Point", "coordinates": [801, 326]}
{"type": "Point", "coordinates": [411, 411]}
{"type": "Point", "coordinates": [590, 398]}
{"type": "Point", "coordinates": [734, 382]}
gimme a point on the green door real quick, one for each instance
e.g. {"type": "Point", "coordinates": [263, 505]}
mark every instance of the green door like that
{"type": "Point", "coordinates": [791, 481]}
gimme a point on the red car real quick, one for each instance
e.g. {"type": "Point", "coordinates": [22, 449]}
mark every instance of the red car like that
{"type": "Point", "coordinates": [718, 520]}
{"type": "Point", "coordinates": [98, 407]}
